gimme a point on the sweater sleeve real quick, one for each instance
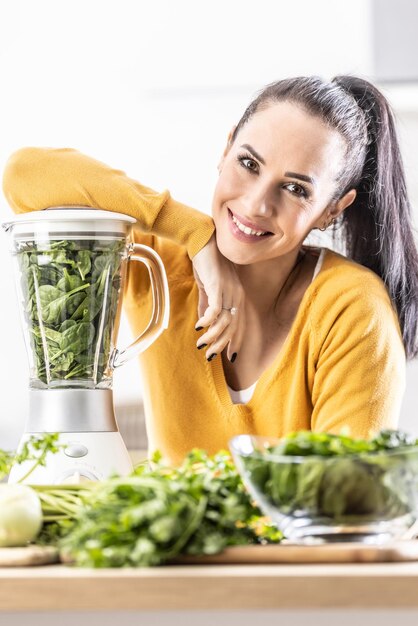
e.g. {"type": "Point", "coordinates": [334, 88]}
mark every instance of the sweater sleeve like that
{"type": "Point", "coordinates": [38, 178]}
{"type": "Point", "coordinates": [360, 371]}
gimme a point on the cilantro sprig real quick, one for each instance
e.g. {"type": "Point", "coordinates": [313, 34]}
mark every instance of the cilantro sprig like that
{"type": "Point", "coordinates": [34, 450]}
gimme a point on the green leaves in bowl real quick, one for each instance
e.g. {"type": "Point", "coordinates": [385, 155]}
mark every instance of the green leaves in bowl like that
{"type": "Point", "coordinates": [337, 477]}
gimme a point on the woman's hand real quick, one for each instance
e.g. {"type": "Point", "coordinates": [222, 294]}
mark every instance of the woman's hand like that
{"type": "Point", "coordinates": [221, 302]}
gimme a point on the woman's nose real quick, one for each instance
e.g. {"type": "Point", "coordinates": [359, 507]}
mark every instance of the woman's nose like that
{"type": "Point", "coordinates": [258, 203]}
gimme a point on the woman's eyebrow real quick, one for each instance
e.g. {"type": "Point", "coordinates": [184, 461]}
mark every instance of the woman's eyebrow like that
{"type": "Point", "coordinates": [253, 152]}
{"type": "Point", "coordinates": [304, 177]}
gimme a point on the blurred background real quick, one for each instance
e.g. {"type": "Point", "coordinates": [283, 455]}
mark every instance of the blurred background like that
{"type": "Point", "coordinates": [154, 88]}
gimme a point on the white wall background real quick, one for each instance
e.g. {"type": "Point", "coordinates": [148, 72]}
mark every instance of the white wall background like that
{"type": "Point", "coordinates": [153, 88]}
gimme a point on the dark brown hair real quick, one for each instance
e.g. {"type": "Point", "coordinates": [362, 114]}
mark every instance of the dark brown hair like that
{"type": "Point", "coordinates": [377, 227]}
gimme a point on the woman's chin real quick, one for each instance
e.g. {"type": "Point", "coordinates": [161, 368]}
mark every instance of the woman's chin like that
{"type": "Point", "coordinates": [241, 253]}
{"type": "Point", "coordinates": [234, 254]}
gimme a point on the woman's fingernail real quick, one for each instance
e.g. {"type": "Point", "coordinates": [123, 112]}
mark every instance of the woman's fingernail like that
{"type": "Point", "coordinates": [233, 357]}
{"type": "Point", "coordinates": [203, 345]}
{"type": "Point", "coordinates": [212, 356]}
{"type": "Point", "coordinates": [198, 327]}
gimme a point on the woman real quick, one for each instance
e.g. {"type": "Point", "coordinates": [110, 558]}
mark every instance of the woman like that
{"type": "Point", "coordinates": [292, 337]}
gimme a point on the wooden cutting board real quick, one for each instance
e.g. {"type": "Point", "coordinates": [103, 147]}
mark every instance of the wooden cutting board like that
{"type": "Point", "coordinates": [261, 555]}
{"type": "Point", "coordinates": [324, 553]}
{"type": "Point", "coordinates": [29, 555]}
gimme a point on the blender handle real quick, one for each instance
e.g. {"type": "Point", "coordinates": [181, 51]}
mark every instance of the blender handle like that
{"type": "Point", "coordinates": [160, 306]}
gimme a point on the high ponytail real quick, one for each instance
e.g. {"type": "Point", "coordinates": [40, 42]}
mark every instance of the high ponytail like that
{"type": "Point", "coordinates": [377, 227]}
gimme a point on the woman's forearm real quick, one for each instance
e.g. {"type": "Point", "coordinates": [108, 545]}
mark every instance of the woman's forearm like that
{"type": "Point", "coordinates": [37, 178]}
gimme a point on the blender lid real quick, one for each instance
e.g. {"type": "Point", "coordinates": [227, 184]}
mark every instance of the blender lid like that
{"type": "Point", "coordinates": [70, 220]}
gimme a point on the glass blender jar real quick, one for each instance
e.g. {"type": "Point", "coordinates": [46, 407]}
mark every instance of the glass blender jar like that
{"type": "Point", "coordinates": [70, 266]}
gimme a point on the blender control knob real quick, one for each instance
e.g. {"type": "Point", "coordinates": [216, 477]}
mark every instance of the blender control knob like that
{"type": "Point", "coordinates": [76, 476]}
{"type": "Point", "coordinates": [76, 450]}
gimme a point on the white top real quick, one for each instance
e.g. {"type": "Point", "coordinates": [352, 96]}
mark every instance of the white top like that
{"type": "Point", "coordinates": [244, 395]}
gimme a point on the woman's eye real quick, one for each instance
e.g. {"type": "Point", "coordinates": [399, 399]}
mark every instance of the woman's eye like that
{"type": "Point", "coordinates": [297, 190]}
{"type": "Point", "coordinates": [248, 164]}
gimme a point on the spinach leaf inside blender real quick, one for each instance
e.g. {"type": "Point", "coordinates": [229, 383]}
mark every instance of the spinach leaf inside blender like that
{"type": "Point", "coordinates": [71, 291]}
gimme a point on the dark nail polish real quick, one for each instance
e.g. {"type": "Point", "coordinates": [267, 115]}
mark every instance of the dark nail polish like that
{"type": "Point", "coordinates": [233, 357]}
{"type": "Point", "coordinates": [199, 328]}
{"type": "Point", "coordinates": [202, 346]}
{"type": "Point", "coordinates": [212, 356]}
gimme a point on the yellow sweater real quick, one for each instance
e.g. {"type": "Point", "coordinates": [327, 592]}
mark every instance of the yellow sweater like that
{"type": "Point", "coordinates": [343, 363]}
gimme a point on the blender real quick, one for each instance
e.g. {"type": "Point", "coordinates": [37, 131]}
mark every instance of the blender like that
{"type": "Point", "coordinates": [71, 264]}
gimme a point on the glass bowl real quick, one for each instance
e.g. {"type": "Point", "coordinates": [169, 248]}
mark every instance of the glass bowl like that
{"type": "Point", "coordinates": [367, 497]}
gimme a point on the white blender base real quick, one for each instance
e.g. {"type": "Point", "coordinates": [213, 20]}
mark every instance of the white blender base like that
{"type": "Point", "coordinates": [87, 456]}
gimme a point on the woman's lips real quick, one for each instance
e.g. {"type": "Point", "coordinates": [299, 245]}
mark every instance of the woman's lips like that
{"type": "Point", "coordinates": [240, 235]}
{"type": "Point", "coordinates": [247, 223]}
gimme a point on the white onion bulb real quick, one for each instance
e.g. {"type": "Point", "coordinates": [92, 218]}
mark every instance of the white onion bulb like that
{"type": "Point", "coordinates": [20, 515]}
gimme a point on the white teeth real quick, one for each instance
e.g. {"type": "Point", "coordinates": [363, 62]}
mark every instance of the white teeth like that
{"type": "Point", "coordinates": [246, 229]}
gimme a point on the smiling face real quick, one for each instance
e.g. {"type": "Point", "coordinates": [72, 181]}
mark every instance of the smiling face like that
{"type": "Point", "coordinates": [276, 183]}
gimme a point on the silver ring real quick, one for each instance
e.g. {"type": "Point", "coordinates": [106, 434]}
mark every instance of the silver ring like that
{"type": "Point", "coordinates": [233, 310]}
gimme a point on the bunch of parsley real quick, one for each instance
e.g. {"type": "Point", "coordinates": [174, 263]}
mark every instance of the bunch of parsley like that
{"type": "Point", "coordinates": [158, 513]}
